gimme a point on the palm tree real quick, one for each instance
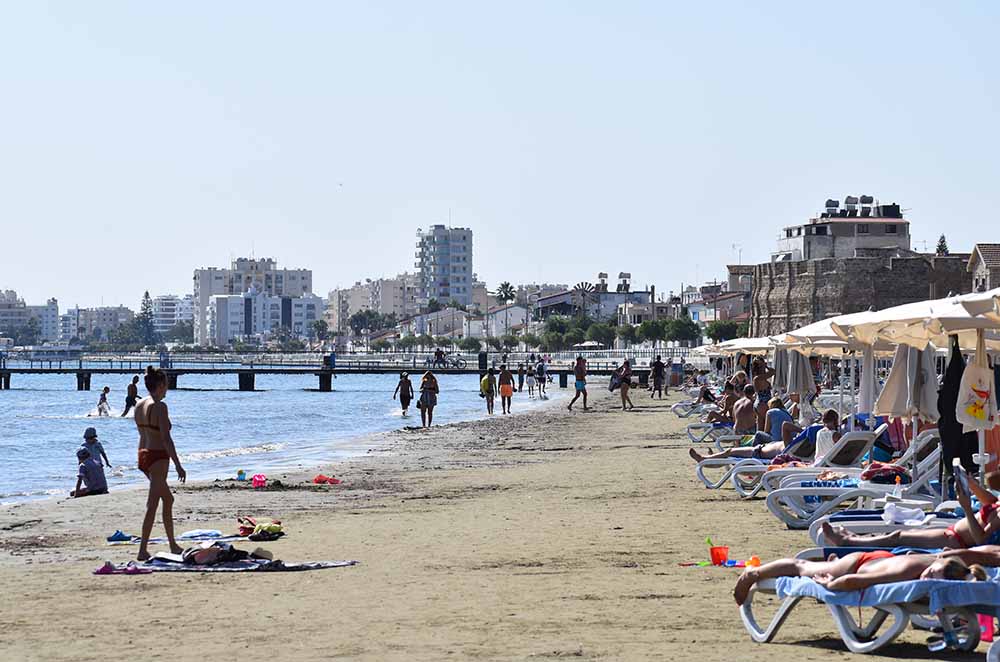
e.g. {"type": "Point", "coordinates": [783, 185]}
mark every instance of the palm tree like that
{"type": "Point", "coordinates": [506, 294]}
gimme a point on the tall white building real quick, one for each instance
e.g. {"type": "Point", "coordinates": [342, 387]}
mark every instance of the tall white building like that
{"type": "Point", "coordinates": [256, 315]}
{"type": "Point", "coordinates": [444, 264]}
{"type": "Point", "coordinates": [169, 310]}
{"type": "Point", "coordinates": [243, 274]}
{"type": "Point", "coordinates": [15, 313]}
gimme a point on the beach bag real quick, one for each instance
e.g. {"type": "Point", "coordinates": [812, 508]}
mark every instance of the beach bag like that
{"type": "Point", "coordinates": [977, 401]}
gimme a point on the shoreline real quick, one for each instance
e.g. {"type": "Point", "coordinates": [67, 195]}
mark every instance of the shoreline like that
{"type": "Point", "coordinates": [534, 537]}
{"type": "Point", "coordinates": [354, 446]}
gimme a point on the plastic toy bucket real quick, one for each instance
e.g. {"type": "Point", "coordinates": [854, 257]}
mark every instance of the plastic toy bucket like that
{"type": "Point", "coordinates": [719, 555]}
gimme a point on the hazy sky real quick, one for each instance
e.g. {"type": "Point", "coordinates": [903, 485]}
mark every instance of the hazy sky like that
{"type": "Point", "coordinates": [141, 140]}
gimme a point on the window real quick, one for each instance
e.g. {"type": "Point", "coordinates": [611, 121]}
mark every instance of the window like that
{"type": "Point", "coordinates": [821, 230]}
{"type": "Point", "coordinates": [862, 228]}
{"type": "Point", "coordinates": [890, 229]}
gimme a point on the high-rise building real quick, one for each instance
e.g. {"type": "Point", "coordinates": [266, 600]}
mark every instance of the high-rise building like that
{"type": "Point", "coordinates": [97, 323]}
{"type": "Point", "coordinates": [243, 274]}
{"type": "Point", "coordinates": [169, 310]}
{"type": "Point", "coordinates": [15, 313]}
{"type": "Point", "coordinates": [444, 265]}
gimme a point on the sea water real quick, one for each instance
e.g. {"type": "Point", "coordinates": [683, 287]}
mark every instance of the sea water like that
{"type": "Point", "coordinates": [285, 424]}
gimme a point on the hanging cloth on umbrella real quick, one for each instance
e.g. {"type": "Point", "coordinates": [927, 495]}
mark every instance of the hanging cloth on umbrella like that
{"type": "Point", "coordinates": [868, 392]}
{"type": "Point", "coordinates": [953, 442]}
{"type": "Point", "coordinates": [977, 398]}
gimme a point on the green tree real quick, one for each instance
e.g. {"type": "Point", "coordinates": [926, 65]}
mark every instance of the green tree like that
{"type": "Point", "coordinates": [581, 322]}
{"type": "Point", "coordinates": [652, 331]}
{"type": "Point", "coordinates": [442, 341]}
{"type": "Point", "coordinates": [470, 344]}
{"type": "Point", "coordinates": [407, 343]}
{"type": "Point", "coordinates": [509, 341]}
{"type": "Point", "coordinates": [145, 325]}
{"type": "Point", "coordinates": [942, 247]}
{"type": "Point", "coordinates": [556, 324]}
{"type": "Point", "coordinates": [506, 294]}
{"type": "Point", "coordinates": [574, 336]}
{"type": "Point", "coordinates": [530, 340]}
{"type": "Point", "coordinates": [722, 330]}
{"type": "Point", "coordinates": [182, 332]}
{"type": "Point", "coordinates": [551, 341]}
{"type": "Point", "coordinates": [602, 333]}
{"type": "Point", "coordinates": [28, 333]}
{"type": "Point", "coordinates": [493, 343]}
{"type": "Point", "coordinates": [425, 341]}
{"type": "Point", "coordinates": [627, 334]}
{"type": "Point", "coordinates": [433, 306]}
{"type": "Point", "coordinates": [457, 306]}
{"type": "Point", "coordinates": [381, 345]}
{"type": "Point", "coordinates": [320, 330]}
{"type": "Point", "coordinates": [686, 330]}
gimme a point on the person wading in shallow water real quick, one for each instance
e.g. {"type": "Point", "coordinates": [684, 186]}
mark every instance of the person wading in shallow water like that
{"type": "Point", "coordinates": [429, 390]}
{"type": "Point", "coordinates": [156, 451]}
{"type": "Point", "coordinates": [404, 389]}
{"type": "Point", "coordinates": [131, 396]}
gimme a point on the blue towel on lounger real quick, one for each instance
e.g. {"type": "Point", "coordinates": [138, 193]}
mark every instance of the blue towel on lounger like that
{"type": "Point", "coordinates": [942, 593]}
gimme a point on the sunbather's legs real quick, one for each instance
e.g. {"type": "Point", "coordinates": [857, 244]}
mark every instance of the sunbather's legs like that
{"type": "Point", "coordinates": [836, 567]}
{"type": "Point", "coordinates": [928, 538]}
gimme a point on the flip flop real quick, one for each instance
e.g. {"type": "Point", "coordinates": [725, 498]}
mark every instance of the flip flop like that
{"type": "Point", "coordinates": [133, 569]}
{"type": "Point", "coordinates": [119, 536]}
{"type": "Point", "coordinates": [107, 569]}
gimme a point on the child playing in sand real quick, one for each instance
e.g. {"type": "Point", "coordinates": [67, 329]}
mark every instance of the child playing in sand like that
{"type": "Point", "coordinates": [90, 478]}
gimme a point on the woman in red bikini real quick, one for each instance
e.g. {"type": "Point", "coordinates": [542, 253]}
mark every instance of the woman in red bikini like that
{"type": "Point", "coordinates": [859, 570]}
{"type": "Point", "coordinates": [978, 528]}
{"type": "Point", "coordinates": [156, 450]}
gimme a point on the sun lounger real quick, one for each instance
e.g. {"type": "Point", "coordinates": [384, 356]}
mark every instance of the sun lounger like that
{"type": "Point", "coordinates": [752, 476]}
{"type": "Point", "coordinates": [872, 521]}
{"type": "Point", "coordinates": [707, 432]}
{"type": "Point", "coordinates": [919, 601]}
{"type": "Point", "coordinates": [798, 503]}
{"type": "Point", "coordinates": [686, 409]}
{"type": "Point", "coordinates": [804, 451]}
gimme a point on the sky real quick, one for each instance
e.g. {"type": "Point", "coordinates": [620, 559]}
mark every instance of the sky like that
{"type": "Point", "coordinates": [139, 141]}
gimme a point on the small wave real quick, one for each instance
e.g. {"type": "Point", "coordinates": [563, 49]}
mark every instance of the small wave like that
{"type": "Point", "coordinates": [32, 493]}
{"type": "Point", "coordinates": [232, 452]}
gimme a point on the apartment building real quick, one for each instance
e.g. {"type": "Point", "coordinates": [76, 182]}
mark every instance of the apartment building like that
{"type": "Point", "coordinates": [242, 274]}
{"type": "Point", "coordinates": [169, 310]}
{"type": "Point", "coordinates": [444, 264]}
{"type": "Point", "coordinates": [15, 313]}
{"type": "Point", "coordinates": [257, 315]}
{"type": "Point", "coordinates": [389, 296]}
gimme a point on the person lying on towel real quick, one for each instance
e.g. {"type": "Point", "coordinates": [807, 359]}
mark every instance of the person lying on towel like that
{"type": "Point", "coordinates": [859, 570]}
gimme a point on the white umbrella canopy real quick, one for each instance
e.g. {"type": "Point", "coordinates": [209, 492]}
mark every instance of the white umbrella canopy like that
{"type": "Point", "coordinates": [984, 304]}
{"type": "Point", "coordinates": [918, 324]}
{"type": "Point", "coordinates": [757, 346]}
{"type": "Point", "coordinates": [800, 375]}
{"type": "Point", "coordinates": [911, 388]}
{"type": "Point", "coordinates": [823, 331]}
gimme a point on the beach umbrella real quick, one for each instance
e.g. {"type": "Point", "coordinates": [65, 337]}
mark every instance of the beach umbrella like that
{"type": "Point", "coordinates": [983, 304]}
{"type": "Point", "coordinates": [823, 331]}
{"type": "Point", "coordinates": [868, 390]}
{"type": "Point", "coordinates": [800, 377]}
{"type": "Point", "coordinates": [756, 346]}
{"type": "Point", "coordinates": [781, 360]}
{"type": "Point", "coordinates": [919, 324]}
{"type": "Point", "coordinates": [910, 391]}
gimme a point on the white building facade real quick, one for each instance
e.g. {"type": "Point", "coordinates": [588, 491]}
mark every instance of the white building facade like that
{"type": "Point", "coordinates": [243, 274]}
{"type": "Point", "coordinates": [169, 310]}
{"type": "Point", "coordinates": [15, 313]}
{"type": "Point", "coordinates": [255, 315]}
{"type": "Point", "coordinates": [444, 264]}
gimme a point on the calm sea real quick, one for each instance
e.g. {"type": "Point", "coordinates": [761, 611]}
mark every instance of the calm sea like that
{"type": "Point", "coordinates": [217, 429]}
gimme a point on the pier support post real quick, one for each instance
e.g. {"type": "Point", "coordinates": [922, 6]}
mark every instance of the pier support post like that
{"type": "Point", "coordinates": [563, 379]}
{"type": "Point", "coordinates": [83, 381]}
{"type": "Point", "coordinates": [172, 381]}
{"type": "Point", "coordinates": [5, 381]}
{"type": "Point", "coordinates": [326, 382]}
{"type": "Point", "coordinates": [246, 381]}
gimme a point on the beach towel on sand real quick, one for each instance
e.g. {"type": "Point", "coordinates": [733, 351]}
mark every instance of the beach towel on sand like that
{"type": "Point", "coordinates": [247, 565]}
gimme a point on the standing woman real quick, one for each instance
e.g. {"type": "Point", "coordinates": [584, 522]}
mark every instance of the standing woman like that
{"type": "Point", "coordinates": [156, 451]}
{"type": "Point", "coordinates": [762, 385]}
{"type": "Point", "coordinates": [428, 398]}
{"type": "Point", "coordinates": [625, 374]}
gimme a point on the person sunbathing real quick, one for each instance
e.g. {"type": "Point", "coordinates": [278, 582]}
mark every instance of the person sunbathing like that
{"type": "Point", "coordinates": [763, 448]}
{"type": "Point", "coordinates": [859, 570]}
{"type": "Point", "coordinates": [978, 528]}
{"type": "Point", "coordinates": [725, 413]}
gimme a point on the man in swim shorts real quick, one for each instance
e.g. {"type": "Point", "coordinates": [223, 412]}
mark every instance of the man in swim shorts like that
{"type": "Point", "coordinates": [659, 371]}
{"type": "Point", "coordinates": [132, 396]}
{"type": "Point", "coordinates": [506, 388]}
{"type": "Point", "coordinates": [744, 413]}
{"type": "Point", "coordinates": [580, 378]}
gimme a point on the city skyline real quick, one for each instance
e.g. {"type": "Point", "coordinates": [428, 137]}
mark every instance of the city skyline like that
{"type": "Point", "coordinates": [663, 140]}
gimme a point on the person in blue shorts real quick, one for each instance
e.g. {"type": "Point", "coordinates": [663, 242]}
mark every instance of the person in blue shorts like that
{"type": "Point", "coordinates": [580, 376]}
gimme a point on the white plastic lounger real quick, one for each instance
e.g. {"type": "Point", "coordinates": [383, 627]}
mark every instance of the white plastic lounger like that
{"type": "Point", "coordinates": [920, 601]}
{"type": "Point", "coordinates": [803, 450]}
{"type": "Point", "coordinates": [750, 477]}
{"type": "Point", "coordinates": [871, 521]}
{"type": "Point", "coordinates": [686, 409]}
{"type": "Point", "coordinates": [707, 432]}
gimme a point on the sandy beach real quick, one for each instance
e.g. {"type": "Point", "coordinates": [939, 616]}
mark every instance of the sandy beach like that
{"type": "Point", "coordinates": [539, 536]}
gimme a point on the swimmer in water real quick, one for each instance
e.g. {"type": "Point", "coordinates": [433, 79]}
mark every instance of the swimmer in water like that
{"type": "Point", "coordinates": [103, 408]}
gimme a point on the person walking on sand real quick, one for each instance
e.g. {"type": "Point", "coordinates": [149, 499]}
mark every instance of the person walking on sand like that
{"type": "Point", "coordinates": [625, 375]}
{"type": "Point", "coordinates": [404, 389]}
{"type": "Point", "coordinates": [131, 396]}
{"type": "Point", "coordinates": [506, 388]}
{"type": "Point", "coordinates": [580, 379]}
{"type": "Point", "coordinates": [429, 390]}
{"type": "Point", "coordinates": [156, 451]}
{"type": "Point", "coordinates": [530, 379]}
{"type": "Point", "coordinates": [488, 389]}
{"type": "Point", "coordinates": [658, 372]}
{"type": "Point", "coordinates": [520, 377]}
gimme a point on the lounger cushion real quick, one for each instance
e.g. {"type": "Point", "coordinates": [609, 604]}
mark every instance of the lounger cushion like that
{"type": "Point", "coordinates": [942, 593]}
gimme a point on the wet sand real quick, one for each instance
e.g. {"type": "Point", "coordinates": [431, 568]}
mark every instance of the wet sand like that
{"type": "Point", "coordinates": [539, 536]}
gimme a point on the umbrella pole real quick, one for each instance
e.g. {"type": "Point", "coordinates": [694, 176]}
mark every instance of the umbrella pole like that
{"type": "Point", "coordinates": [982, 459]}
{"type": "Point", "coordinates": [916, 460]}
{"type": "Point", "coordinates": [840, 381]}
{"type": "Point", "coordinates": [854, 402]}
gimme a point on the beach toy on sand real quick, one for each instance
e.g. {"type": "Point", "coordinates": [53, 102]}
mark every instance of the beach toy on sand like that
{"type": "Point", "coordinates": [753, 562]}
{"type": "Point", "coordinates": [241, 475]}
{"type": "Point", "coordinates": [258, 481]}
{"type": "Point", "coordinates": [322, 479]}
{"type": "Point", "coordinates": [719, 555]}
